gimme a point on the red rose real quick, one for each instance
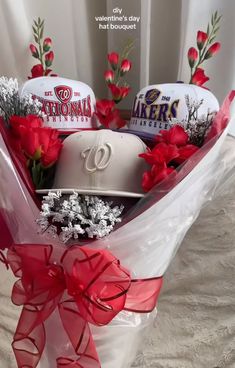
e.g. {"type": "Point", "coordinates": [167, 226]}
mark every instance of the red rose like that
{"type": "Point", "coordinates": [29, 121]}
{"type": "Point", "coordinates": [109, 76]}
{"type": "Point", "coordinates": [192, 56]}
{"type": "Point", "coordinates": [202, 37]}
{"type": "Point", "coordinates": [118, 93]}
{"type": "Point", "coordinates": [125, 66]}
{"type": "Point", "coordinates": [199, 77]}
{"type": "Point", "coordinates": [47, 44]}
{"type": "Point", "coordinates": [34, 51]}
{"type": "Point", "coordinates": [37, 71]}
{"type": "Point", "coordinates": [49, 57]}
{"type": "Point", "coordinates": [212, 50]}
{"type": "Point", "coordinates": [176, 135]}
{"type": "Point", "coordinates": [185, 152]}
{"type": "Point", "coordinates": [113, 58]}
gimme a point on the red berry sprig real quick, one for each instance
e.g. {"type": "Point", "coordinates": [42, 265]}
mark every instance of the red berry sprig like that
{"type": "Point", "coordinates": [205, 50]}
{"type": "Point", "coordinates": [42, 51]}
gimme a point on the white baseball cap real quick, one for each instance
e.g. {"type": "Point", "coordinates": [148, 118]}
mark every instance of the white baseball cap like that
{"type": "Point", "coordinates": [156, 104]}
{"type": "Point", "coordinates": [67, 105]}
{"type": "Point", "coordinates": [101, 162]}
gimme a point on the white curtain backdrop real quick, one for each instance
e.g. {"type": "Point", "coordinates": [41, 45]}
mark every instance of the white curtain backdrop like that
{"type": "Point", "coordinates": [166, 30]}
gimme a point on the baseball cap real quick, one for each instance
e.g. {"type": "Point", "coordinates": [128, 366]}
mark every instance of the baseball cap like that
{"type": "Point", "coordinates": [101, 162]}
{"type": "Point", "coordinates": [154, 105]}
{"type": "Point", "coordinates": [67, 105]}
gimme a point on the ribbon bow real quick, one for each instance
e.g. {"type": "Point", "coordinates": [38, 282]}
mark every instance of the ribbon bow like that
{"type": "Point", "coordinates": [86, 285]}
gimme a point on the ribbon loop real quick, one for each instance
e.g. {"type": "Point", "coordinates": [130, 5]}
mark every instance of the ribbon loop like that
{"type": "Point", "coordinates": [86, 285]}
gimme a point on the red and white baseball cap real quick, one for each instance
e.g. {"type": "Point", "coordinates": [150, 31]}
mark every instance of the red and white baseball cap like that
{"type": "Point", "coordinates": [67, 105]}
{"type": "Point", "coordinates": [101, 162]}
{"type": "Point", "coordinates": [156, 104]}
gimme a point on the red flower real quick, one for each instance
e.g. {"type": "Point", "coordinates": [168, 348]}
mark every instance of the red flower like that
{"type": "Point", "coordinates": [199, 77]}
{"type": "Point", "coordinates": [160, 154]}
{"type": "Point", "coordinates": [113, 58]}
{"type": "Point", "coordinates": [109, 76]}
{"type": "Point", "coordinates": [108, 116]}
{"type": "Point", "coordinates": [29, 121]}
{"type": "Point", "coordinates": [155, 176]}
{"type": "Point", "coordinates": [49, 57]}
{"type": "Point", "coordinates": [185, 152]}
{"type": "Point", "coordinates": [212, 50]}
{"type": "Point", "coordinates": [41, 144]}
{"type": "Point", "coordinates": [192, 56]}
{"type": "Point", "coordinates": [34, 50]}
{"type": "Point", "coordinates": [125, 66]}
{"type": "Point", "coordinates": [118, 93]}
{"type": "Point", "coordinates": [37, 71]}
{"type": "Point", "coordinates": [176, 135]}
{"type": "Point", "coordinates": [47, 44]}
{"type": "Point", "coordinates": [202, 37]}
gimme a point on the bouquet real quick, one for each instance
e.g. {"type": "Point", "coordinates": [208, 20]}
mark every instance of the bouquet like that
{"type": "Point", "coordinates": [87, 268]}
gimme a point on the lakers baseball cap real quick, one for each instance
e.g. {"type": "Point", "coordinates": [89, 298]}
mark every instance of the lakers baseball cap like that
{"type": "Point", "coordinates": [67, 105]}
{"type": "Point", "coordinates": [101, 162]}
{"type": "Point", "coordinates": [155, 105]}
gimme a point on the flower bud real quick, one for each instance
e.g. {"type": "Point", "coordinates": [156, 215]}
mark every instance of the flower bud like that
{"type": "Point", "coordinates": [49, 57]}
{"type": "Point", "coordinates": [212, 50]}
{"type": "Point", "coordinates": [34, 50]}
{"type": "Point", "coordinates": [202, 37]}
{"type": "Point", "coordinates": [125, 66]}
{"type": "Point", "coordinates": [47, 44]}
{"type": "Point", "coordinates": [192, 56]}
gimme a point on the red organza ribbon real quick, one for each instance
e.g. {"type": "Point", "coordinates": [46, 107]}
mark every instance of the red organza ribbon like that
{"type": "Point", "coordinates": [86, 285]}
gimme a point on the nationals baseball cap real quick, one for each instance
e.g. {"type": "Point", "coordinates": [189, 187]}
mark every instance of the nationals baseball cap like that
{"type": "Point", "coordinates": [67, 105]}
{"type": "Point", "coordinates": [154, 106]}
{"type": "Point", "coordinates": [101, 162]}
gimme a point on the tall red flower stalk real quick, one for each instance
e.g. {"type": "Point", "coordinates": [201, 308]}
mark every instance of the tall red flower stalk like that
{"type": "Point", "coordinates": [42, 52]}
{"type": "Point", "coordinates": [206, 49]}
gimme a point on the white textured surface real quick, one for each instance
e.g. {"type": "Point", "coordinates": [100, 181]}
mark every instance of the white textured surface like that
{"type": "Point", "coordinates": [195, 325]}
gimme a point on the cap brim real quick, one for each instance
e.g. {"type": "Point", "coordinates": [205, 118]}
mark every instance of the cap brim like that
{"type": "Point", "coordinates": [109, 193]}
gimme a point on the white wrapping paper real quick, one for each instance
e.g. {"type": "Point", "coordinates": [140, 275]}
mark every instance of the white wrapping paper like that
{"type": "Point", "coordinates": [145, 244]}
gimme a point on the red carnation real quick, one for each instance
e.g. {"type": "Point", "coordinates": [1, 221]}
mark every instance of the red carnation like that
{"type": "Point", "coordinates": [118, 93]}
{"type": "Point", "coordinates": [155, 176]}
{"type": "Point", "coordinates": [199, 77]}
{"type": "Point", "coordinates": [185, 153]}
{"type": "Point", "coordinates": [49, 57]}
{"type": "Point", "coordinates": [202, 37]}
{"type": "Point", "coordinates": [176, 135]}
{"type": "Point", "coordinates": [160, 154]}
{"type": "Point", "coordinates": [108, 116]}
{"type": "Point", "coordinates": [192, 56]}
{"type": "Point", "coordinates": [109, 76]}
{"type": "Point", "coordinates": [213, 50]}
{"type": "Point", "coordinates": [29, 121]}
{"type": "Point", "coordinates": [113, 59]}
{"type": "Point", "coordinates": [125, 66]}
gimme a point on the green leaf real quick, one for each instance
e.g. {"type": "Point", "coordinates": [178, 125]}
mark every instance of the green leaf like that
{"type": "Point", "coordinates": [212, 20]}
{"type": "Point", "coordinates": [39, 20]}
{"type": "Point", "coordinates": [212, 39]}
{"type": "Point", "coordinates": [215, 15]}
{"type": "Point", "coordinates": [34, 29]}
{"type": "Point", "coordinates": [216, 30]}
{"type": "Point", "coordinates": [217, 21]}
{"type": "Point", "coordinates": [41, 33]}
{"type": "Point", "coordinates": [36, 38]}
{"type": "Point", "coordinates": [208, 30]}
{"type": "Point", "coordinates": [35, 22]}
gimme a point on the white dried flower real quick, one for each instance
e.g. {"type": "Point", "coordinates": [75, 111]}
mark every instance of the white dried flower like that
{"type": "Point", "coordinates": [75, 215]}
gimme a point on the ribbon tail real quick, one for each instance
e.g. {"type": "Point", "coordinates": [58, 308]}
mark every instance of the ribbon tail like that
{"type": "Point", "coordinates": [143, 294]}
{"type": "Point", "coordinates": [29, 340]}
{"type": "Point", "coordinates": [79, 333]}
